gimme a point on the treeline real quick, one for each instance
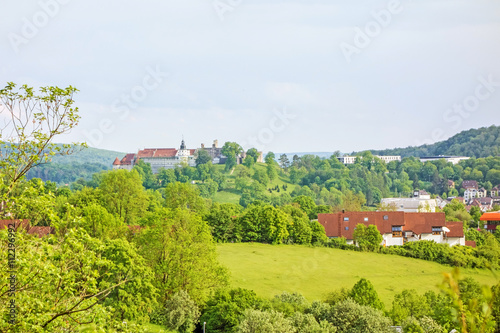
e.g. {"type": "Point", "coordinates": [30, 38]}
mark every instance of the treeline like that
{"type": "Point", "coordinates": [66, 173]}
{"type": "Point", "coordinates": [482, 142]}
{"type": "Point", "coordinates": [463, 304]}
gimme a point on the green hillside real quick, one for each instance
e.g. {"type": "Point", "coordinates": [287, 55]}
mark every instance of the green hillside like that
{"type": "Point", "coordinates": [231, 195]}
{"type": "Point", "coordinates": [314, 272]}
{"type": "Point", "coordinates": [65, 169]}
{"type": "Point", "coordinates": [482, 142]}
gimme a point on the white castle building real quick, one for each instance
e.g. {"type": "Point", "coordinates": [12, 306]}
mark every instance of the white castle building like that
{"type": "Point", "coordinates": [167, 158]}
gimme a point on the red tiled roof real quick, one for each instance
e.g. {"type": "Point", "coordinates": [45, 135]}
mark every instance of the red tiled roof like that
{"type": "Point", "coordinates": [456, 229]}
{"type": "Point", "coordinates": [157, 152]}
{"type": "Point", "coordinates": [418, 223]}
{"type": "Point", "coordinates": [116, 162]}
{"type": "Point", "coordinates": [469, 184]}
{"type": "Point", "coordinates": [491, 216]}
{"type": "Point", "coordinates": [127, 160]}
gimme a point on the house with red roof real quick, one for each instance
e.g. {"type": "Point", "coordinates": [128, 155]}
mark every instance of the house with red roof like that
{"type": "Point", "coordinates": [396, 228]}
{"type": "Point", "coordinates": [492, 220]}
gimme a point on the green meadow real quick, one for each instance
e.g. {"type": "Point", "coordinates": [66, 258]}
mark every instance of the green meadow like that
{"type": "Point", "coordinates": [316, 271]}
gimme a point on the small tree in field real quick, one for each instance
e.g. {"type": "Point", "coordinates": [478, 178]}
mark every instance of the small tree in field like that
{"type": "Point", "coordinates": [367, 238]}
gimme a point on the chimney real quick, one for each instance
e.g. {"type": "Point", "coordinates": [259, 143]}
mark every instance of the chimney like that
{"type": "Point", "coordinates": [216, 144]}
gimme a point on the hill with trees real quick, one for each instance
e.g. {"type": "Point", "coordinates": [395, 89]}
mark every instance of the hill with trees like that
{"type": "Point", "coordinates": [481, 142]}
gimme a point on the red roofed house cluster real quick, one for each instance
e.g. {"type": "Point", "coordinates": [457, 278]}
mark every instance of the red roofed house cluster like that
{"type": "Point", "coordinates": [396, 228]}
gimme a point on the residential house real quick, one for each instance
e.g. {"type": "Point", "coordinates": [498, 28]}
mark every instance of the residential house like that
{"type": "Point", "coordinates": [471, 190]}
{"type": "Point", "coordinates": [492, 220]}
{"type": "Point", "coordinates": [396, 228]}
{"type": "Point", "coordinates": [494, 191]}
{"type": "Point", "coordinates": [484, 204]}
{"type": "Point", "coordinates": [482, 193]}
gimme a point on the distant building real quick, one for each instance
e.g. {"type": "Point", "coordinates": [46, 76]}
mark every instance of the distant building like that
{"type": "Point", "coordinates": [351, 159]}
{"type": "Point", "coordinates": [494, 191]}
{"type": "Point", "coordinates": [420, 202]}
{"type": "Point", "coordinates": [472, 191]}
{"type": "Point", "coordinates": [158, 158]}
{"type": "Point", "coordinates": [452, 159]}
{"type": "Point", "coordinates": [396, 228]}
{"type": "Point", "coordinates": [484, 204]}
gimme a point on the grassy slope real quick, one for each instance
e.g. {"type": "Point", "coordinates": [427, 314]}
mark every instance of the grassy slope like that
{"type": "Point", "coordinates": [314, 272]}
{"type": "Point", "coordinates": [231, 195]}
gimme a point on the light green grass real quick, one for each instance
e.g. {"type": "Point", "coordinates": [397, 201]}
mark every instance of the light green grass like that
{"type": "Point", "coordinates": [314, 272]}
{"type": "Point", "coordinates": [227, 196]}
{"type": "Point", "coordinates": [231, 195]}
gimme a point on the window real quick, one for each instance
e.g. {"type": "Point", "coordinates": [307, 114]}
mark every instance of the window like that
{"type": "Point", "coordinates": [386, 217]}
{"type": "Point", "coordinates": [436, 230]}
{"type": "Point", "coordinates": [346, 228]}
{"type": "Point", "coordinates": [397, 231]}
{"type": "Point", "coordinates": [346, 219]}
{"type": "Point", "coordinates": [366, 219]}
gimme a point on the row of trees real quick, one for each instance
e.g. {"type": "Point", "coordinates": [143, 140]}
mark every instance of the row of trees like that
{"type": "Point", "coordinates": [462, 304]}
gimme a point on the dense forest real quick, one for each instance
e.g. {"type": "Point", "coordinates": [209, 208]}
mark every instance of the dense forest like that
{"type": "Point", "coordinates": [482, 142]}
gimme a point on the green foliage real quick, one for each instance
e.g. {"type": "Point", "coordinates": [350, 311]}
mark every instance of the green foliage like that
{"type": "Point", "coordinates": [203, 157]}
{"type": "Point", "coordinates": [256, 321]}
{"type": "Point", "coordinates": [184, 196]}
{"type": "Point", "coordinates": [289, 303]}
{"type": "Point", "coordinates": [337, 296]}
{"type": "Point", "coordinates": [367, 238]}
{"type": "Point", "coordinates": [32, 120]}
{"type": "Point", "coordinates": [62, 282]}
{"type": "Point", "coordinates": [408, 303]}
{"type": "Point", "coordinates": [223, 311]}
{"type": "Point", "coordinates": [231, 150]}
{"type": "Point", "coordinates": [181, 313]}
{"type": "Point", "coordinates": [182, 253]}
{"type": "Point", "coordinates": [480, 142]}
{"type": "Point", "coordinates": [223, 222]}
{"type": "Point", "coordinates": [351, 317]}
{"type": "Point", "coordinates": [123, 194]}
{"type": "Point", "coordinates": [264, 224]}
{"type": "Point", "coordinates": [364, 293]}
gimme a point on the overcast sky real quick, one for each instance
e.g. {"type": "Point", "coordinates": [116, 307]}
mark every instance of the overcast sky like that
{"type": "Point", "coordinates": [286, 76]}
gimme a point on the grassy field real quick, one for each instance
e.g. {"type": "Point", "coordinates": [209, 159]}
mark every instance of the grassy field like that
{"type": "Point", "coordinates": [314, 272]}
